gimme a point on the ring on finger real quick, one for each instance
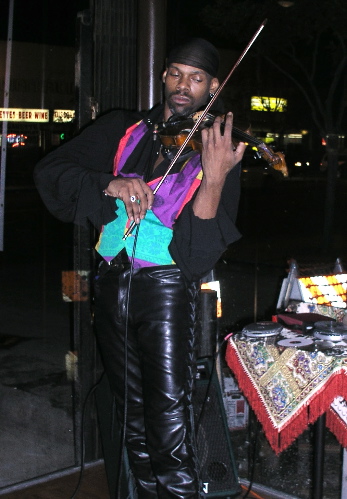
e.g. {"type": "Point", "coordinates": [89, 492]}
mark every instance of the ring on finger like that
{"type": "Point", "coordinates": [133, 199]}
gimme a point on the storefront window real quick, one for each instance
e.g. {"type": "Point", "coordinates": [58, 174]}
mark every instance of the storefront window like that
{"type": "Point", "coordinates": [37, 434]}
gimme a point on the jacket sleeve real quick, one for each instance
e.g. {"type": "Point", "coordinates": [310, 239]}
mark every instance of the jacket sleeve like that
{"type": "Point", "coordinates": [71, 179]}
{"type": "Point", "coordinates": [197, 244]}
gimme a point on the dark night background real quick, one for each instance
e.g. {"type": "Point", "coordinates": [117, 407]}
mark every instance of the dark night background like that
{"type": "Point", "coordinates": [279, 219]}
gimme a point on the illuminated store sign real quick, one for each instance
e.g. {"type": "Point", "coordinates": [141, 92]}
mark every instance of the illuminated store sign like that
{"type": "Point", "coordinates": [63, 115]}
{"type": "Point", "coordinates": [36, 115]}
{"type": "Point", "coordinates": [268, 104]}
{"type": "Point", "coordinates": [16, 140]}
{"type": "Point", "coordinates": [24, 115]}
{"type": "Point", "coordinates": [330, 290]}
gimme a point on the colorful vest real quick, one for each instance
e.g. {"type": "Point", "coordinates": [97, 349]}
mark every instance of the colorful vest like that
{"type": "Point", "coordinates": [153, 236]}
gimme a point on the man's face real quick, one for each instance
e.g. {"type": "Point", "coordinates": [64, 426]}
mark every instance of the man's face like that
{"type": "Point", "coordinates": [186, 89]}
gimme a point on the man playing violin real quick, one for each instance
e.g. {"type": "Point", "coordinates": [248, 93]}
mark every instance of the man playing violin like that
{"type": "Point", "coordinates": [147, 284]}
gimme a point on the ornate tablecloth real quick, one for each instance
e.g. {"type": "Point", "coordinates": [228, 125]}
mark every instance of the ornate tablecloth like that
{"type": "Point", "coordinates": [288, 388]}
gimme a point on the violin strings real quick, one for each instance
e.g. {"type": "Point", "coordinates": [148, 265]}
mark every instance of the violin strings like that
{"type": "Point", "coordinates": [239, 134]}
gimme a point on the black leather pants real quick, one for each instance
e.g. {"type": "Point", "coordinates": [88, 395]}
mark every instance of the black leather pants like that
{"type": "Point", "coordinates": [159, 367]}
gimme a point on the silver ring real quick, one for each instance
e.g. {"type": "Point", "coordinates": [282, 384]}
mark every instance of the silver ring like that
{"type": "Point", "coordinates": [133, 199]}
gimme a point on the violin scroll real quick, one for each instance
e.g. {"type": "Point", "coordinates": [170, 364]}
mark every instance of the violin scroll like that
{"type": "Point", "coordinates": [275, 160]}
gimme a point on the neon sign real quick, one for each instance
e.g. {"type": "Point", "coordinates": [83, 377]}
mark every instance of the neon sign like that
{"type": "Point", "coordinates": [16, 140]}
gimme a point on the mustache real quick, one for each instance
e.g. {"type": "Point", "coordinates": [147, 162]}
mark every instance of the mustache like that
{"type": "Point", "coordinates": [183, 93]}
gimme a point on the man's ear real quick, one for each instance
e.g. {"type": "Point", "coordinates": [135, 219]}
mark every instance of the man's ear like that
{"type": "Point", "coordinates": [214, 85]}
{"type": "Point", "coordinates": [164, 76]}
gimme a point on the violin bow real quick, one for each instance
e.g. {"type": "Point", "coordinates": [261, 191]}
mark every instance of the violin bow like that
{"type": "Point", "coordinates": [202, 117]}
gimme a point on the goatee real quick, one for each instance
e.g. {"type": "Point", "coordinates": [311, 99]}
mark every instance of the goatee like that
{"type": "Point", "coordinates": [179, 109]}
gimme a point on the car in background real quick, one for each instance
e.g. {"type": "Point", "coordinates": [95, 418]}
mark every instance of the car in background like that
{"type": "Point", "coordinates": [304, 167]}
{"type": "Point", "coordinates": [341, 161]}
{"type": "Point", "coordinates": [299, 161]}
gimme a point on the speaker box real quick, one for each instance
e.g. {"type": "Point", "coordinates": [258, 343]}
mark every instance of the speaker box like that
{"type": "Point", "coordinates": [217, 463]}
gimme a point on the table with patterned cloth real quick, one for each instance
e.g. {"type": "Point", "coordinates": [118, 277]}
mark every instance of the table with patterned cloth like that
{"type": "Point", "coordinates": [290, 388]}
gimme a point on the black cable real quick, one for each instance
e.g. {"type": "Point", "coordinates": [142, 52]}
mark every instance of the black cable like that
{"type": "Point", "coordinates": [146, 176]}
{"type": "Point", "coordinates": [91, 391]}
{"type": "Point", "coordinates": [155, 148]}
{"type": "Point", "coordinates": [82, 466]}
{"type": "Point", "coordinates": [125, 408]}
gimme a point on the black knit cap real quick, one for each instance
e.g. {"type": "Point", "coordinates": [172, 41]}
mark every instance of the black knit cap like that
{"type": "Point", "coordinates": [198, 53]}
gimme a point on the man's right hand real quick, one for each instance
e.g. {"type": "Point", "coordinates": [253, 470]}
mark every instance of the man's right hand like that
{"type": "Point", "coordinates": [135, 194]}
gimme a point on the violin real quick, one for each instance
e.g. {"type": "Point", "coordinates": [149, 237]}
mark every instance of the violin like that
{"type": "Point", "coordinates": [173, 134]}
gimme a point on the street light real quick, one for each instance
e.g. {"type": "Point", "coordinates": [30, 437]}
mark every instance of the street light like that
{"type": "Point", "coordinates": [285, 3]}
